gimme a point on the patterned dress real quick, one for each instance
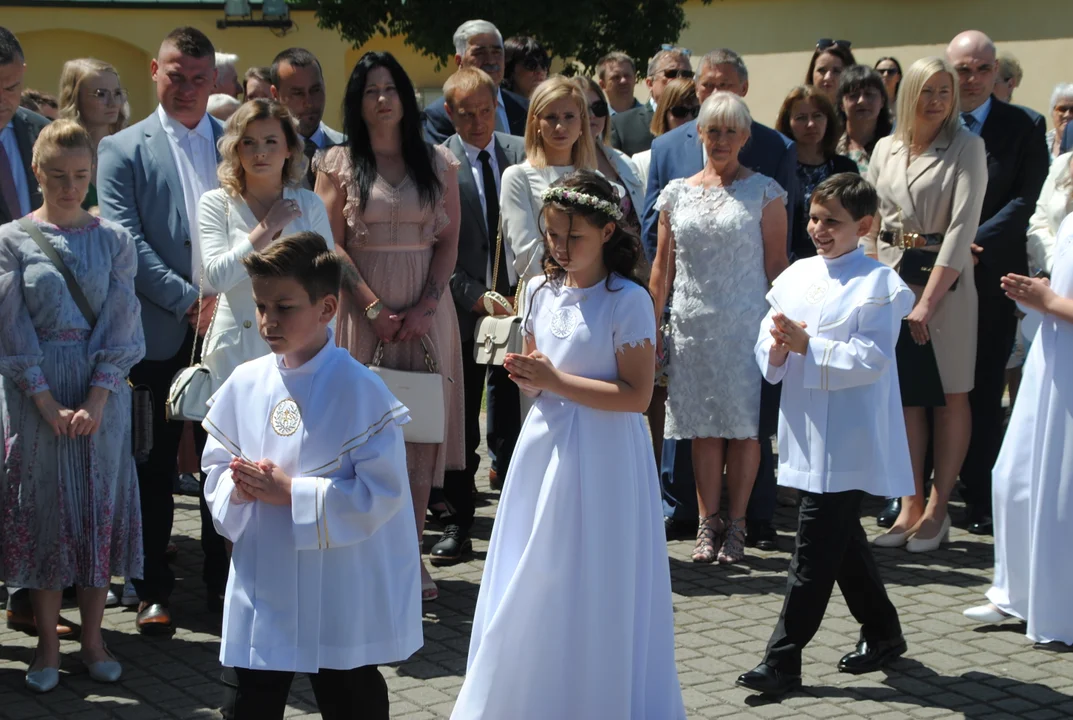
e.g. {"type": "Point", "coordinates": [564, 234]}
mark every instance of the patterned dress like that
{"type": "Point", "coordinates": [718, 302]}
{"type": "Point", "coordinates": [69, 510]}
{"type": "Point", "coordinates": [391, 241]}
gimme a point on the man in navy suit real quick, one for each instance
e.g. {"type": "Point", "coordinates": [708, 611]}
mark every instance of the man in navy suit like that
{"type": "Point", "coordinates": [1017, 165]}
{"type": "Point", "coordinates": [1067, 138]}
{"type": "Point", "coordinates": [150, 178]}
{"type": "Point", "coordinates": [479, 44]}
{"type": "Point", "coordinates": [679, 154]}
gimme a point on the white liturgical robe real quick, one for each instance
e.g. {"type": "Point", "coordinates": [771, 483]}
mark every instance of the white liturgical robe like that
{"type": "Point", "coordinates": [840, 419]}
{"type": "Point", "coordinates": [333, 581]}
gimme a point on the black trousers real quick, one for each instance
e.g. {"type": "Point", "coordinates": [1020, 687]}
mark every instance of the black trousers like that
{"type": "Point", "coordinates": [155, 487]}
{"type": "Point", "coordinates": [504, 424]}
{"type": "Point", "coordinates": [358, 694]}
{"type": "Point", "coordinates": [831, 547]}
{"type": "Point", "coordinates": [994, 343]}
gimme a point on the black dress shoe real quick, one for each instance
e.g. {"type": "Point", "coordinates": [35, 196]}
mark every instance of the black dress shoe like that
{"type": "Point", "coordinates": [769, 681]}
{"type": "Point", "coordinates": [760, 535]}
{"type": "Point", "coordinates": [980, 522]}
{"type": "Point", "coordinates": [452, 546]}
{"type": "Point", "coordinates": [889, 513]}
{"type": "Point", "coordinates": [869, 657]}
{"type": "Point", "coordinates": [678, 529]}
{"type": "Point", "coordinates": [154, 619]}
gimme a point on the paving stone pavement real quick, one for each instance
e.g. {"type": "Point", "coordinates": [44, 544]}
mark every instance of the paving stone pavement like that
{"type": "Point", "coordinates": [723, 617]}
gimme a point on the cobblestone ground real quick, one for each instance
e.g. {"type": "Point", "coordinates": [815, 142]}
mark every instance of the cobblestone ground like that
{"type": "Point", "coordinates": [723, 617]}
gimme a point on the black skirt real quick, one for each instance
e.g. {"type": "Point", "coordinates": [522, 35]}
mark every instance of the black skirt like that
{"type": "Point", "coordinates": [918, 372]}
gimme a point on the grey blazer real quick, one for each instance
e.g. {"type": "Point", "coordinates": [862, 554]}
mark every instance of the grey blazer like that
{"type": "Point", "coordinates": [469, 280]}
{"type": "Point", "coordinates": [27, 126]}
{"type": "Point", "coordinates": [138, 186]}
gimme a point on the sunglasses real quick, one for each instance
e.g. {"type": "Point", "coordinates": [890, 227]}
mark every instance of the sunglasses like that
{"type": "Point", "coordinates": [683, 111]}
{"type": "Point", "coordinates": [824, 43]}
{"type": "Point", "coordinates": [887, 71]}
{"type": "Point", "coordinates": [685, 51]}
{"type": "Point", "coordinates": [599, 109]}
{"type": "Point", "coordinates": [675, 73]}
{"type": "Point", "coordinates": [533, 64]}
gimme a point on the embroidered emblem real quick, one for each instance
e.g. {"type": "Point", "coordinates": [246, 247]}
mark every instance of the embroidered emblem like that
{"type": "Point", "coordinates": [564, 321]}
{"type": "Point", "coordinates": [286, 417]}
{"type": "Point", "coordinates": [816, 293]}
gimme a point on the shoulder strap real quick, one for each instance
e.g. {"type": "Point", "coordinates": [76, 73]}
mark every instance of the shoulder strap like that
{"type": "Point", "coordinates": [54, 257]}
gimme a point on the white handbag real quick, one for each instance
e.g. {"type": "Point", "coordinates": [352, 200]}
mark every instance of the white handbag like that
{"type": "Point", "coordinates": [420, 392]}
{"type": "Point", "coordinates": [496, 335]}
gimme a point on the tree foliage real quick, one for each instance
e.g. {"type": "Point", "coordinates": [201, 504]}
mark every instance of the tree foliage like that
{"type": "Point", "coordinates": [577, 30]}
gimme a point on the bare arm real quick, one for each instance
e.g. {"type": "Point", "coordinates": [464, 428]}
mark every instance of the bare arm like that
{"type": "Point", "coordinates": [659, 283]}
{"type": "Point", "coordinates": [334, 198]}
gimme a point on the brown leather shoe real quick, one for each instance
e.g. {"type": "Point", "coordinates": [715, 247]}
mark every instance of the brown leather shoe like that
{"type": "Point", "coordinates": [154, 619]}
{"type": "Point", "coordinates": [494, 481]}
{"type": "Point", "coordinates": [26, 623]}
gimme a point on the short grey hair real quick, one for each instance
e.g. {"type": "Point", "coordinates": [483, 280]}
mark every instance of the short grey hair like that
{"type": "Point", "coordinates": [725, 109]}
{"type": "Point", "coordinates": [675, 52]}
{"type": "Point", "coordinates": [725, 56]}
{"type": "Point", "coordinates": [225, 59]}
{"type": "Point", "coordinates": [1061, 90]}
{"type": "Point", "coordinates": [221, 101]}
{"type": "Point", "coordinates": [470, 29]}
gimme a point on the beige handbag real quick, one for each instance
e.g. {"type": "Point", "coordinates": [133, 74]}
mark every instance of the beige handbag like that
{"type": "Point", "coordinates": [420, 392]}
{"type": "Point", "coordinates": [497, 335]}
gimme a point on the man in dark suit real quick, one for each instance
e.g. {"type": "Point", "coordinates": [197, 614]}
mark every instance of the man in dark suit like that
{"type": "Point", "coordinates": [483, 265]}
{"type": "Point", "coordinates": [1017, 165]}
{"type": "Point", "coordinates": [617, 75]}
{"type": "Point", "coordinates": [1067, 138]}
{"type": "Point", "coordinates": [479, 44]}
{"type": "Point", "coordinates": [631, 130]}
{"type": "Point", "coordinates": [150, 178]}
{"type": "Point", "coordinates": [679, 154]}
{"type": "Point", "coordinates": [19, 195]}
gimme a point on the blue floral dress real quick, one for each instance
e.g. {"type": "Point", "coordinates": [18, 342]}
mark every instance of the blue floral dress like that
{"type": "Point", "coordinates": [69, 509]}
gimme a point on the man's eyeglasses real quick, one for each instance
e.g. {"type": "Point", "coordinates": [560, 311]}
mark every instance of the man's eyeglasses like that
{"type": "Point", "coordinates": [599, 109]}
{"type": "Point", "coordinates": [824, 43]}
{"type": "Point", "coordinates": [684, 111]}
{"type": "Point", "coordinates": [116, 96]}
{"type": "Point", "coordinates": [676, 73]}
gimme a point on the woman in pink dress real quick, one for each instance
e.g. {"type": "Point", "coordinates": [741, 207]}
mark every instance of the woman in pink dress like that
{"type": "Point", "coordinates": [393, 205]}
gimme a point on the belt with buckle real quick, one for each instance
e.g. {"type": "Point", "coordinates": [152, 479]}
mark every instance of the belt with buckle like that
{"type": "Point", "coordinates": [908, 241]}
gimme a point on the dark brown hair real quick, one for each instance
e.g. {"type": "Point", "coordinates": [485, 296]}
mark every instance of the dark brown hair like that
{"type": "Point", "coordinates": [834, 122]}
{"type": "Point", "coordinates": [851, 191]}
{"type": "Point", "coordinates": [303, 257]}
{"type": "Point", "coordinates": [191, 42]}
{"type": "Point", "coordinates": [842, 53]}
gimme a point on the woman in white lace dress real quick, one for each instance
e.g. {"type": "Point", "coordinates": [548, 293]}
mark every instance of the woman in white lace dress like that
{"type": "Point", "coordinates": [722, 240]}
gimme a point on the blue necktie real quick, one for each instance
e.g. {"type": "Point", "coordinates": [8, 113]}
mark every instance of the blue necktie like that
{"type": "Point", "coordinates": [970, 121]}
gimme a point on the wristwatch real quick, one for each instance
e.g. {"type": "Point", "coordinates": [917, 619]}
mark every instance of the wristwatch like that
{"type": "Point", "coordinates": [373, 311]}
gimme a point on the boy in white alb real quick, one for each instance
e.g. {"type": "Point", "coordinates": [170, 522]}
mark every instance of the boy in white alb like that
{"type": "Point", "coordinates": [306, 474]}
{"type": "Point", "coordinates": [830, 339]}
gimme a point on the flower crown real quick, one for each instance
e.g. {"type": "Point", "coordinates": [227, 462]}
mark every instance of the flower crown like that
{"type": "Point", "coordinates": [573, 197]}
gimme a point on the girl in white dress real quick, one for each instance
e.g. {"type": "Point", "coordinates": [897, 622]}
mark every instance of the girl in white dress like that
{"type": "Point", "coordinates": [1032, 493]}
{"type": "Point", "coordinates": [574, 615]}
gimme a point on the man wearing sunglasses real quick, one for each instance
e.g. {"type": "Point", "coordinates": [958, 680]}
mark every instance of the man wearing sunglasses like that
{"type": "Point", "coordinates": [630, 130]}
{"type": "Point", "coordinates": [680, 154]}
{"type": "Point", "coordinates": [479, 44]}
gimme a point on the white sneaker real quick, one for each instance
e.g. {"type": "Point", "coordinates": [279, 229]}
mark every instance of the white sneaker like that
{"type": "Point", "coordinates": [986, 614]}
{"type": "Point", "coordinates": [130, 596]}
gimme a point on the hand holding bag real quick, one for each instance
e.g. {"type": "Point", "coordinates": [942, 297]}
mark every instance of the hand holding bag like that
{"type": "Point", "coordinates": [420, 392]}
{"type": "Point", "coordinates": [497, 335]}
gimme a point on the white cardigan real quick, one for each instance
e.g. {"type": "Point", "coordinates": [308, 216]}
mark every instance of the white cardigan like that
{"type": "Point", "coordinates": [224, 225]}
{"type": "Point", "coordinates": [1055, 202]}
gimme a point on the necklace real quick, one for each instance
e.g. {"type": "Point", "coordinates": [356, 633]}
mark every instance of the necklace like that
{"type": "Point", "coordinates": [705, 187]}
{"type": "Point", "coordinates": [265, 207]}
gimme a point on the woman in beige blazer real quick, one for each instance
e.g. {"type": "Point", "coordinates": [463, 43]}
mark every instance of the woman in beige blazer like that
{"type": "Point", "coordinates": [931, 176]}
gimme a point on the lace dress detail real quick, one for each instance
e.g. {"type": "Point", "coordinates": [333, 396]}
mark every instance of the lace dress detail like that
{"type": "Point", "coordinates": [717, 306]}
{"type": "Point", "coordinates": [391, 241]}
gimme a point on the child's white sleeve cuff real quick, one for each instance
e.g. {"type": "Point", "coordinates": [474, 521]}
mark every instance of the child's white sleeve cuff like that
{"type": "Point", "coordinates": [307, 512]}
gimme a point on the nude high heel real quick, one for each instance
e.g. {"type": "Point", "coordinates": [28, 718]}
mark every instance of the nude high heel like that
{"type": "Point", "coordinates": [918, 544]}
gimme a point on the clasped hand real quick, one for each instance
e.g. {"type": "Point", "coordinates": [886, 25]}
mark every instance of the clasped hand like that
{"type": "Point", "coordinates": [789, 336]}
{"type": "Point", "coordinates": [1031, 292]}
{"type": "Point", "coordinates": [65, 422]}
{"type": "Point", "coordinates": [532, 373]}
{"type": "Point", "coordinates": [263, 481]}
{"type": "Point", "coordinates": [393, 326]}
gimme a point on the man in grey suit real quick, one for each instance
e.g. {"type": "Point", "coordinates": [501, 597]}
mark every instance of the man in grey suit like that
{"type": "Point", "coordinates": [483, 265]}
{"type": "Point", "coordinates": [298, 83]}
{"type": "Point", "coordinates": [631, 130]}
{"type": "Point", "coordinates": [150, 178]}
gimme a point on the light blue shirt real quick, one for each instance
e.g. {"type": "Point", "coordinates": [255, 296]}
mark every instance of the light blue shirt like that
{"type": "Point", "coordinates": [18, 170]}
{"type": "Point", "coordinates": [979, 115]}
{"type": "Point", "coordinates": [502, 122]}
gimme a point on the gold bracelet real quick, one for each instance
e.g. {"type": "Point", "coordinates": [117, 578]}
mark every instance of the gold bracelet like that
{"type": "Point", "coordinates": [371, 305]}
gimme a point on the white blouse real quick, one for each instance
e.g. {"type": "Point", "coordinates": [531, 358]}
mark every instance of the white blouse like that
{"type": "Point", "coordinates": [520, 204]}
{"type": "Point", "coordinates": [1054, 204]}
{"type": "Point", "coordinates": [225, 223]}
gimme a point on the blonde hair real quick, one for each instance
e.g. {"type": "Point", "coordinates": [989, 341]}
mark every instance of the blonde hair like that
{"type": "Point", "coordinates": [58, 137]}
{"type": "Point", "coordinates": [73, 75]}
{"type": "Point", "coordinates": [909, 95]}
{"type": "Point", "coordinates": [583, 154]}
{"type": "Point", "coordinates": [676, 92]}
{"type": "Point", "coordinates": [587, 83]}
{"type": "Point", "coordinates": [466, 80]}
{"type": "Point", "coordinates": [231, 174]}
